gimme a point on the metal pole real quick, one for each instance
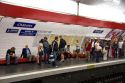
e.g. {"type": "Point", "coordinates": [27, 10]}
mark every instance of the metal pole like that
{"type": "Point", "coordinates": [1, 18]}
{"type": "Point", "coordinates": [77, 8]}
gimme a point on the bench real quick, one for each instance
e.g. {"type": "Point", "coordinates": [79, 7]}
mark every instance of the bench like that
{"type": "Point", "coordinates": [25, 60]}
{"type": "Point", "coordinates": [20, 60]}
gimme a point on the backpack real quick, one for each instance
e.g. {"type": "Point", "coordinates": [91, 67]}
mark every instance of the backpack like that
{"type": "Point", "coordinates": [45, 44]}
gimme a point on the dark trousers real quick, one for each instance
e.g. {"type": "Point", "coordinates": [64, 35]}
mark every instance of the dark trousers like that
{"type": "Point", "coordinates": [55, 53]}
{"type": "Point", "coordinates": [92, 55]}
{"type": "Point", "coordinates": [120, 53]}
{"type": "Point", "coordinates": [46, 54]}
{"type": "Point", "coordinates": [115, 53]}
{"type": "Point", "coordinates": [97, 56]}
{"type": "Point", "coordinates": [40, 57]}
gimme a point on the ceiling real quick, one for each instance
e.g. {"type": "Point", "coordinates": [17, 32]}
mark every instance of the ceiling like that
{"type": "Point", "coordinates": [106, 10]}
{"type": "Point", "coordinates": [119, 4]}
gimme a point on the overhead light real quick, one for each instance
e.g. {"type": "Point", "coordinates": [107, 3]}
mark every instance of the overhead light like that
{"type": "Point", "coordinates": [114, 1]}
{"type": "Point", "coordinates": [117, 1]}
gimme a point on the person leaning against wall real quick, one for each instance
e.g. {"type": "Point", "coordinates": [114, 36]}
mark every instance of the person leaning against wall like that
{"type": "Point", "coordinates": [10, 55]}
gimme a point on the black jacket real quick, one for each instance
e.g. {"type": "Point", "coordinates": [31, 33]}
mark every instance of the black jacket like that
{"type": "Point", "coordinates": [9, 52]}
{"type": "Point", "coordinates": [55, 46]}
{"type": "Point", "coordinates": [45, 44]}
{"type": "Point", "coordinates": [62, 43]}
{"type": "Point", "coordinates": [24, 52]}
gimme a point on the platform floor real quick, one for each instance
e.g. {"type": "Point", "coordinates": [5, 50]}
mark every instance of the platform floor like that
{"type": "Point", "coordinates": [28, 67]}
{"type": "Point", "coordinates": [12, 73]}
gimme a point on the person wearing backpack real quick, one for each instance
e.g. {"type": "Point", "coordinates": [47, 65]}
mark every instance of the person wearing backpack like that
{"type": "Point", "coordinates": [45, 50]}
{"type": "Point", "coordinates": [55, 51]}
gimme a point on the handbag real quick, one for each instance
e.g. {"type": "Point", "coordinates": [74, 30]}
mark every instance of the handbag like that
{"type": "Point", "coordinates": [51, 57]}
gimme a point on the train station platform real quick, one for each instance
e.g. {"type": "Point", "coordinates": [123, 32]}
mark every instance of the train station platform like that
{"type": "Point", "coordinates": [28, 71]}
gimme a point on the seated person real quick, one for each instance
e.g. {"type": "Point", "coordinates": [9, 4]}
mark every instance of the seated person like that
{"type": "Point", "coordinates": [26, 53]}
{"type": "Point", "coordinates": [11, 55]}
{"type": "Point", "coordinates": [68, 53]}
{"type": "Point", "coordinates": [82, 54]}
{"type": "Point", "coordinates": [77, 47]}
{"type": "Point", "coordinates": [75, 54]}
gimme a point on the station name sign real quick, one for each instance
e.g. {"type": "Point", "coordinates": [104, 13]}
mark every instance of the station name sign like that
{"type": "Point", "coordinates": [12, 30]}
{"type": "Point", "coordinates": [24, 25]}
{"type": "Point", "coordinates": [98, 31]}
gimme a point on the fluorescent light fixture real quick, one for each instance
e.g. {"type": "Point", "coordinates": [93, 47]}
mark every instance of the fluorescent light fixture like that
{"type": "Point", "coordinates": [114, 1]}
{"type": "Point", "coordinates": [117, 1]}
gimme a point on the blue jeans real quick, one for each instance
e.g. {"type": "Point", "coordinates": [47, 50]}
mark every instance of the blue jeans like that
{"type": "Point", "coordinates": [97, 56]}
{"type": "Point", "coordinates": [55, 53]}
{"type": "Point", "coordinates": [46, 54]}
{"type": "Point", "coordinates": [8, 58]}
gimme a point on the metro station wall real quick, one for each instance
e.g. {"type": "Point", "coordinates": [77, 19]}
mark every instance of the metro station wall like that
{"type": "Point", "coordinates": [49, 29]}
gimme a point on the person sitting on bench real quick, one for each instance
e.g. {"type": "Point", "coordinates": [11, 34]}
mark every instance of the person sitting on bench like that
{"type": "Point", "coordinates": [11, 55]}
{"type": "Point", "coordinates": [68, 53]}
{"type": "Point", "coordinates": [26, 53]}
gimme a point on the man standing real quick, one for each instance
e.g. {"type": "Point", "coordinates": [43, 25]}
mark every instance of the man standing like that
{"type": "Point", "coordinates": [62, 45]}
{"type": "Point", "coordinates": [11, 55]}
{"type": "Point", "coordinates": [120, 47]}
{"type": "Point", "coordinates": [115, 48]}
{"type": "Point", "coordinates": [46, 49]}
{"type": "Point", "coordinates": [55, 50]}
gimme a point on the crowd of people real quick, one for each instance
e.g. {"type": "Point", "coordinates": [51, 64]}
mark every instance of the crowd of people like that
{"type": "Point", "coordinates": [92, 50]}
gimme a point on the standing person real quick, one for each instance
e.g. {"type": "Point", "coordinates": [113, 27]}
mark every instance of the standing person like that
{"type": "Point", "coordinates": [40, 53]}
{"type": "Point", "coordinates": [55, 50]}
{"type": "Point", "coordinates": [88, 47]}
{"type": "Point", "coordinates": [105, 52]}
{"type": "Point", "coordinates": [98, 50]}
{"type": "Point", "coordinates": [124, 48]}
{"type": "Point", "coordinates": [93, 49]}
{"type": "Point", "coordinates": [115, 47]}
{"type": "Point", "coordinates": [120, 47]}
{"type": "Point", "coordinates": [46, 50]}
{"type": "Point", "coordinates": [11, 55]}
{"type": "Point", "coordinates": [77, 47]}
{"type": "Point", "coordinates": [62, 45]}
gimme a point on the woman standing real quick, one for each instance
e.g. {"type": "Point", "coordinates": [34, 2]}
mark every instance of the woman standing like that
{"type": "Point", "coordinates": [40, 53]}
